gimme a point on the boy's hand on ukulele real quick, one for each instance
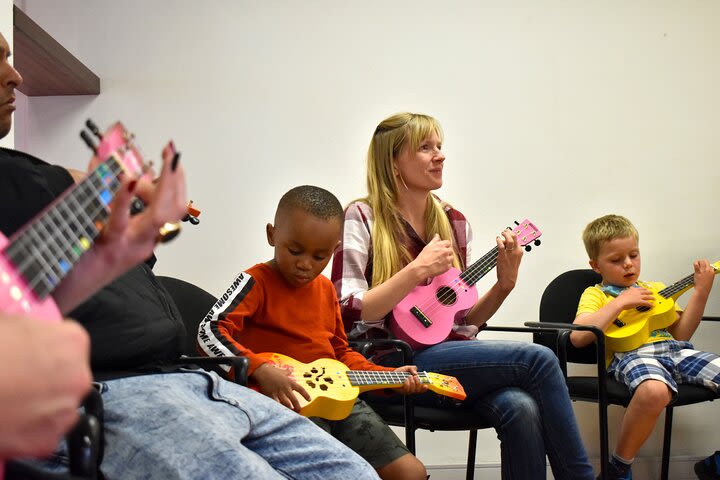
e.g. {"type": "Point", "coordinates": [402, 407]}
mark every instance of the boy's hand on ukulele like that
{"type": "Point", "coordinates": [704, 276]}
{"type": "Point", "coordinates": [635, 297]}
{"type": "Point", "coordinates": [412, 384]}
{"type": "Point", "coordinates": [436, 258]}
{"type": "Point", "coordinates": [278, 384]}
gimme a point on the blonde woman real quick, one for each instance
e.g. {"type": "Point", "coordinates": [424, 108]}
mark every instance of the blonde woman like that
{"type": "Point", "coordinates": [399, 236]}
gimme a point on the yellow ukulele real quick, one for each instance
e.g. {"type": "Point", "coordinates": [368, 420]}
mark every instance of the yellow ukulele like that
{"type": "Point", "coordinates": [333, 388]}
{"type": "Point", "coordinates": [633, 327]}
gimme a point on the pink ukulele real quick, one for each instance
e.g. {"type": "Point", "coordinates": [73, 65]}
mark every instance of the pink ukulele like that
{"type": "Point", "coordinates": [39, 255]}
{"type": "Point", "coordinates": [426, 315]}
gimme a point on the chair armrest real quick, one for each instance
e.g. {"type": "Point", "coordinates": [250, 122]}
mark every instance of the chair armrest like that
{"type": "Point", "coordinates": [366, 346]}
{"type": "Point", "coordinates": [84, 447]}
{"type": "Point", "coordinates": [239, 365]}
{"type": "Point", "coordinates": [567, 326]}
{"type": "Point", "coordinates": [564, 338]}
{"type": "Point", "coordinates": [528, 328]}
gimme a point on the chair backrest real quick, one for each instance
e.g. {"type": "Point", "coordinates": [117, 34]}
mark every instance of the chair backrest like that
{"type": "Point", "coordinates": [193, 303]}
{"type": "Point", "coordinates": [559, 304]}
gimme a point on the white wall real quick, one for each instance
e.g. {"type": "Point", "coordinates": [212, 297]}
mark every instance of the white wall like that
{"type": "Point", "coordinates": [558, 111]}
{"type": "Point", "coordinates": [6, 28]}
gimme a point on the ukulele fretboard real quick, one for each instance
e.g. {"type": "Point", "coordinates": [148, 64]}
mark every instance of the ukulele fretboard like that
{"type": "Point", "coordinates": [678, 286]}
{"type": "Point", "coordinates": [482, 266]}
{"type": "Point", "coordinates": [371, 377]}
{"type": "Point", "coordinates": [44, 251]}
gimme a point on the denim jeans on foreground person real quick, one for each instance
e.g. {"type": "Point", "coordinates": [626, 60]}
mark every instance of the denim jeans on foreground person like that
{"type": "Point", "coordinates": [519, 388]}
{"type": "Point", "coordinates": [194, 425]}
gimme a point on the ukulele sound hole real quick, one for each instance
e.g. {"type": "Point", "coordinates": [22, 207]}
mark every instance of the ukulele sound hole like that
{"type": "Point", "coordinates": [446, 295]}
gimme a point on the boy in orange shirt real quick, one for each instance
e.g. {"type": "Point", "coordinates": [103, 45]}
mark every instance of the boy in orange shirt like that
{"type": "Point", "coordinates": [285, 306]}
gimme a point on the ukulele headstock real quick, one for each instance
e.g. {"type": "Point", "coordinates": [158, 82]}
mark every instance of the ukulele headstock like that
{"type": "Point", "coordinates": [117, 150]}
{"type": "Point", "coordinates": [527, 233]}
{"type": "Point", "coordinates": [116, 143]}
{"type": "Point", "coordinates": [445, 385]}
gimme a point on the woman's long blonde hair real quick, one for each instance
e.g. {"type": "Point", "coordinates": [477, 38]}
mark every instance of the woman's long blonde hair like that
{"type": "Point", "coordinates": [389, 253]}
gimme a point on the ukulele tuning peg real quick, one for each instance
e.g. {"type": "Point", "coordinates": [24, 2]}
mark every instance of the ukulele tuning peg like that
{"type": "Point", "coordinates": [93, 128]}
{"type": "Point", "coordinates": [191, 219]}
{"type": "Point", "coordinates": [537, 243]}
{"type": "Point", "coordinates": [88, 141]}
{"type": "Point", "coordinates": [516, 222]}
{"type": "Point", "coordinates": [528, 248]}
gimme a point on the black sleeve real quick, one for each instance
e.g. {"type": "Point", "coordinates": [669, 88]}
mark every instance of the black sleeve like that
{"type": "Point", "coordinates": [27, 185]}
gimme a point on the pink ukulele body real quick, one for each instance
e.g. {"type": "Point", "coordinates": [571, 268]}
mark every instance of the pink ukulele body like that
{"type": "Point", "coordinates": [426, 315]}
{"type": "Point", "coordinates": [17, 298]}
{"type": "Point", "coordinates": [444, 300]}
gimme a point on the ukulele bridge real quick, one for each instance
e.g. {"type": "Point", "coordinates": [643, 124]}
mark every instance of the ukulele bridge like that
{"type": "Point", "coordinates": [417, 313]}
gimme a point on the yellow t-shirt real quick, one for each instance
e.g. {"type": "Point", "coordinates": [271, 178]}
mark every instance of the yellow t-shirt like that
{"type": "Point", "coordinates": [593, 299]}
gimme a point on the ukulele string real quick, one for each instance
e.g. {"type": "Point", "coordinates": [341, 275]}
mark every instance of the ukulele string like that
{"type": "Point", "coordinates": [486, 263]}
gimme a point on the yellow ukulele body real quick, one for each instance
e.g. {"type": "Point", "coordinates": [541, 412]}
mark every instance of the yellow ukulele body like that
{"type": "Point", "coordinates": [333, 388]}
{"type": "Point", "coordinates": [633, 326]}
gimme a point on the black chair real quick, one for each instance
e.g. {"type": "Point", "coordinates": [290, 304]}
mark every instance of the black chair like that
{"type": "Point", "coordinates": [413, 417]}
{"type": "Point", "coordinates": [84, 443]}
{"type": "Point", "coordinates": [194, 303]}
{"type": "Point", "coordinates": [558, 306]}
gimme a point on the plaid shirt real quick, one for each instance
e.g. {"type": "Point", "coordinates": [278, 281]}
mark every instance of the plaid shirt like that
{"type": "Point", "coordinates": [352, 267]}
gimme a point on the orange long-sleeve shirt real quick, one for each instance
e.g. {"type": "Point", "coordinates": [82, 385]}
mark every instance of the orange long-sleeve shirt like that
{"type": "Point", "coordinates": [260, 313]}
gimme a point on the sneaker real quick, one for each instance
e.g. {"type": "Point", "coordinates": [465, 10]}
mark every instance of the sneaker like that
{"type": "Point", "coordinates": [709, 469]}
{"type": "Point", "coordinates": [614, 473]}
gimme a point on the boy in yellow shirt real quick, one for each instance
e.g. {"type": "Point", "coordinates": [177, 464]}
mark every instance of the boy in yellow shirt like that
{"type": "Point", "coordinates": [653, 370]}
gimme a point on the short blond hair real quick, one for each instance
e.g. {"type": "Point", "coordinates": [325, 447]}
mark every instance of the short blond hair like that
{"type": "Point", "coordinates": [603, 230]}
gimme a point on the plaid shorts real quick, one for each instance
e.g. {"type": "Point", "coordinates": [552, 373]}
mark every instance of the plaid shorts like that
{"type": "Point", "coordinates": [669, 361]}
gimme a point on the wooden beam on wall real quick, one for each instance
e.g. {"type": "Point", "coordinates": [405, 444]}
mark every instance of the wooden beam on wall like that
{"type": "Point", "coordinates": [46, 66]}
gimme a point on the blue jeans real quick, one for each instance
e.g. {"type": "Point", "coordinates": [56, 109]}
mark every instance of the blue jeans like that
{"type": "Point", "coordinates": [195, 425]}
{"type": "Point", "coordinates": [519, 388]}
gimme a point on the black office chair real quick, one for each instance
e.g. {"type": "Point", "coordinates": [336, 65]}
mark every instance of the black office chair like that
{"type": "Point", "coordinates": [84, 443]}
{"type": "Point", "coordinates": [413, 417]}
{"type": "Point", "coordinates": [194, 303]}
{"type": "Point", "coordinates": [558, 307]}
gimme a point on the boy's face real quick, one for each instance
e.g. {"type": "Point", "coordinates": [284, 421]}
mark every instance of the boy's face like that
{"type": "Point", "coordinates": [618, 261]}
{"type": "Point", "coordinates": [303, 245]}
